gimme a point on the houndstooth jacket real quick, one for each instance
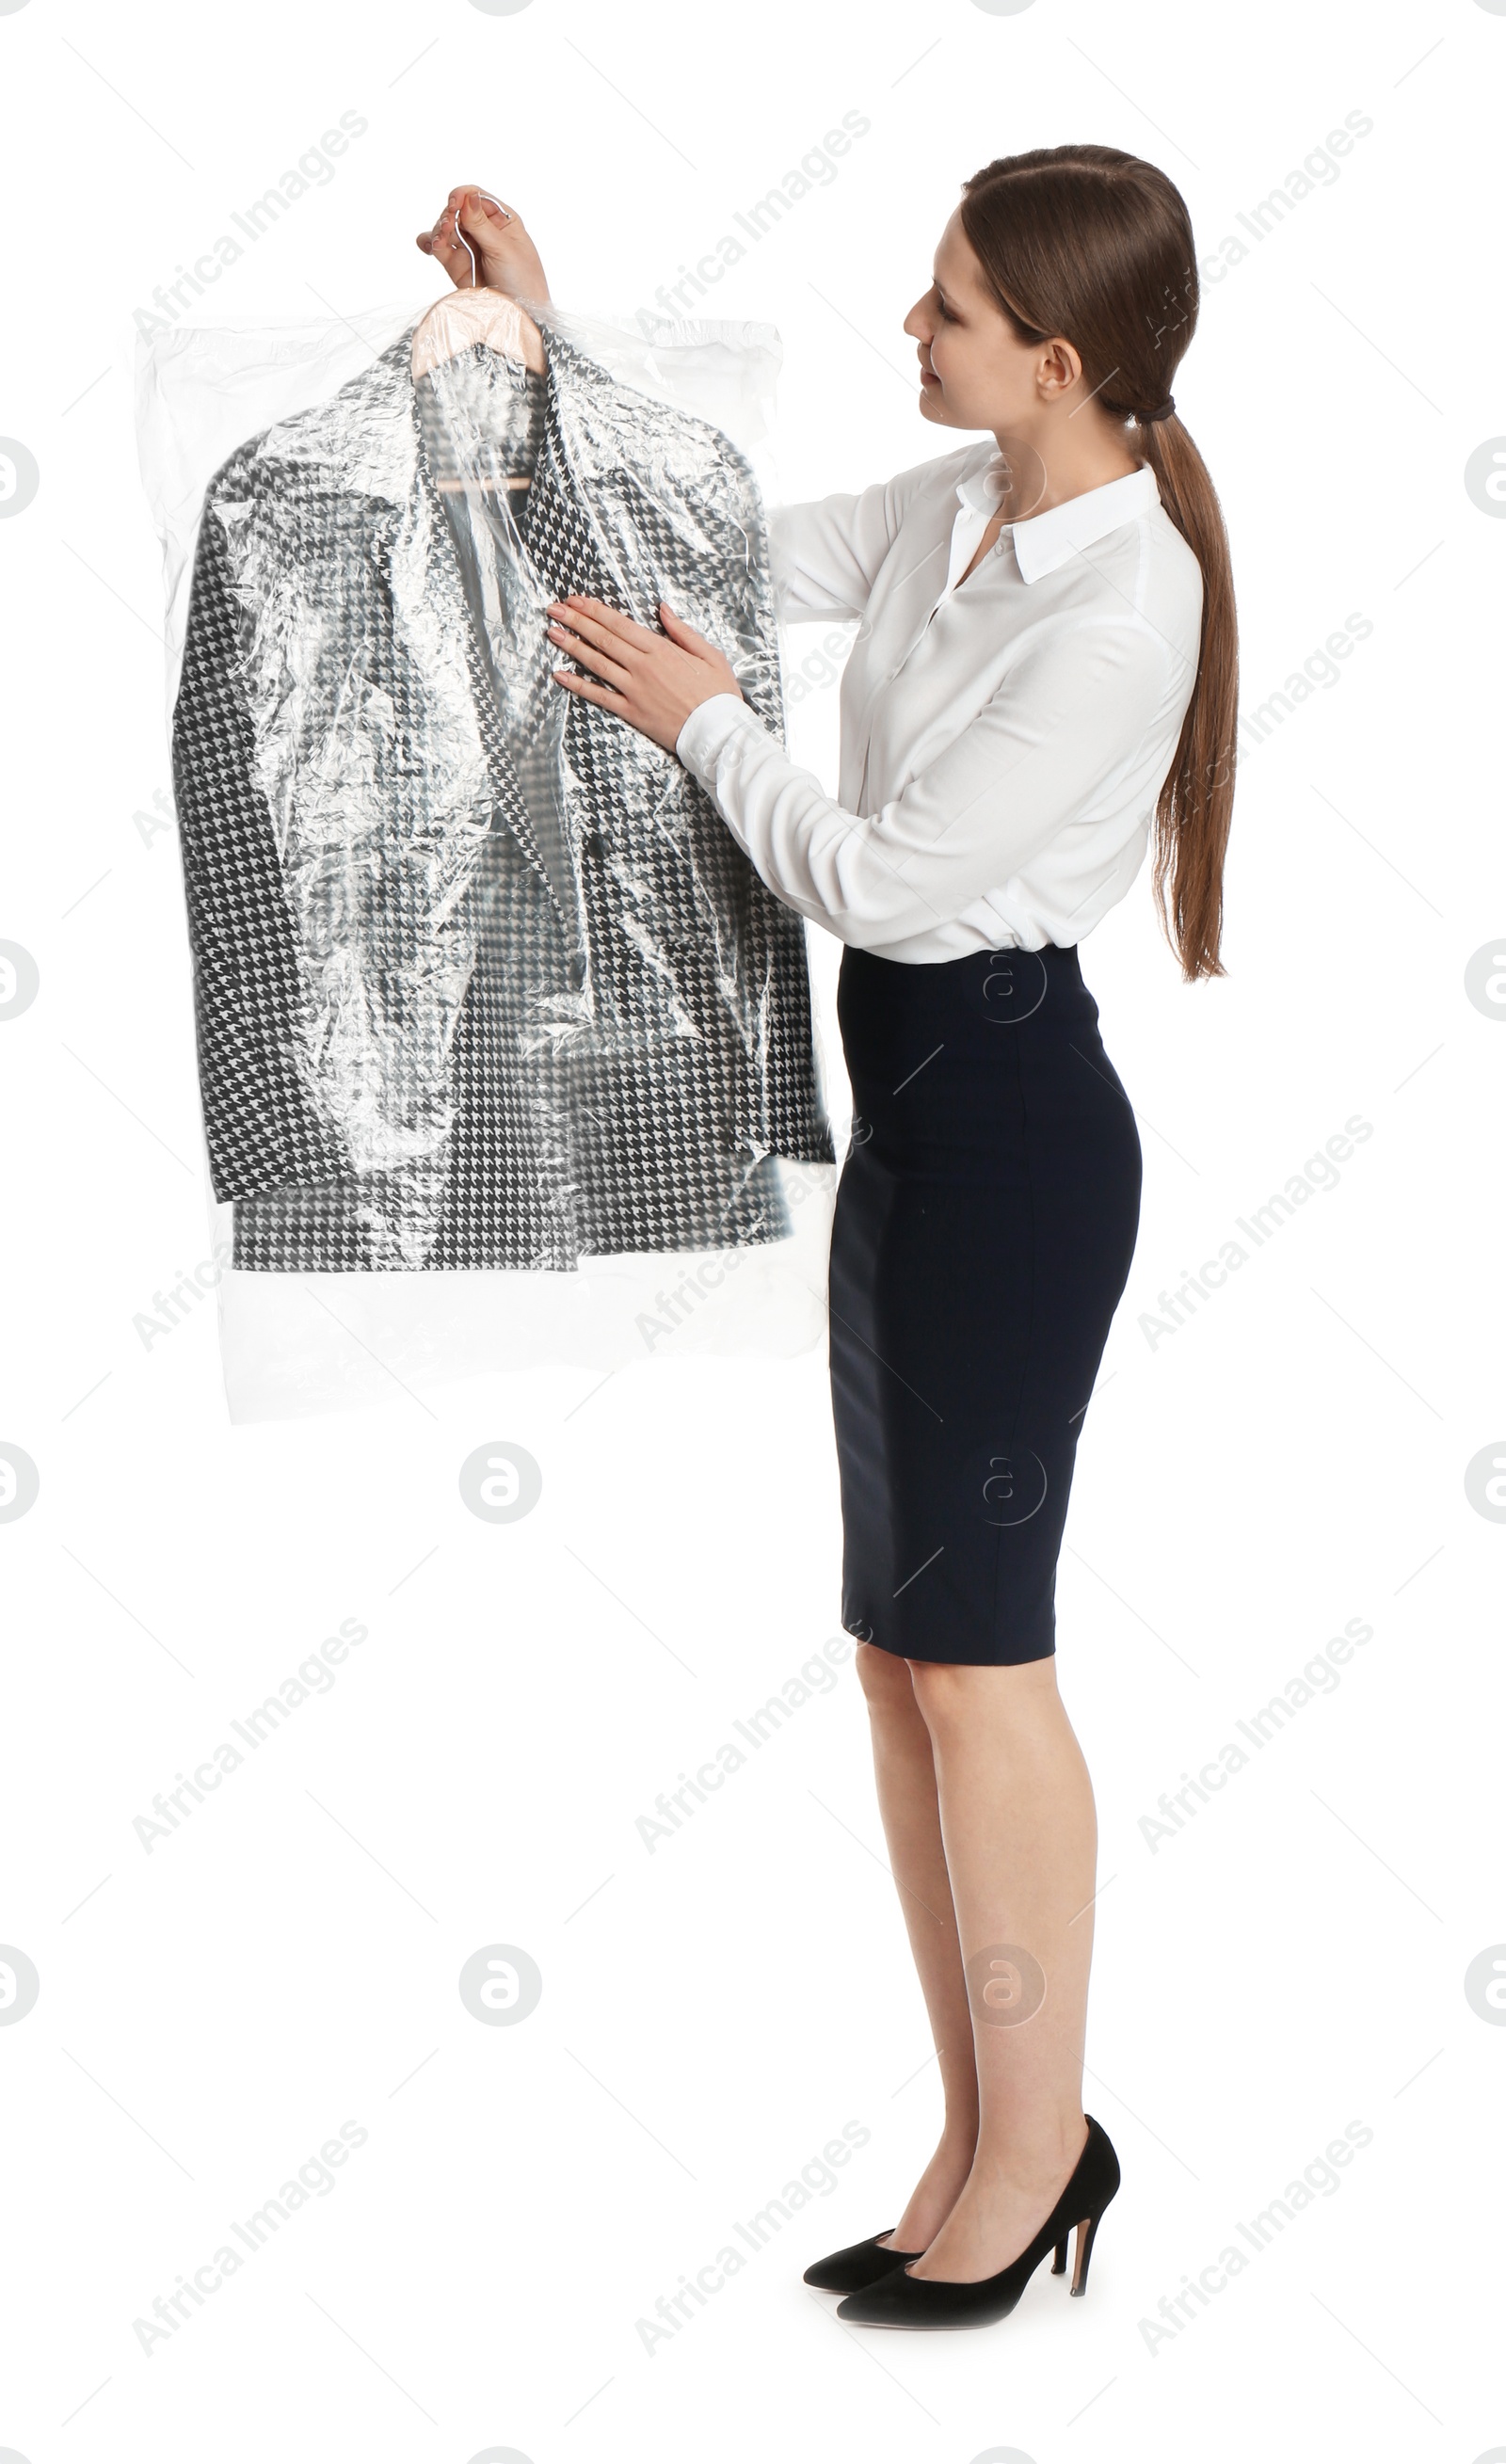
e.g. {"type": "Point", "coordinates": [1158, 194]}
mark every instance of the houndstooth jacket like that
{"type": "Point", "coordinates": [481, 979]}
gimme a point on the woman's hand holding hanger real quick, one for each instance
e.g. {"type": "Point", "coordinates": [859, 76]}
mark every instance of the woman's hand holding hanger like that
{"type": "Point", "coordinates": [484, 244]}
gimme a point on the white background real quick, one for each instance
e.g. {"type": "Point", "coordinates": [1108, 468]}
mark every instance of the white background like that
{"type": "Point", "coordinates": [1293, 1959]}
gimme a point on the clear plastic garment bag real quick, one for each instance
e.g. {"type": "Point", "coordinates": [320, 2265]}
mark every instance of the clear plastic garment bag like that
{"type": "Point", "coordinates": [505, 1052]}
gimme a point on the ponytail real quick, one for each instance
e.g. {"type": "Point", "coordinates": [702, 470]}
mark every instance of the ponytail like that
{"type": "Point", "coordinates": [1196, 805]}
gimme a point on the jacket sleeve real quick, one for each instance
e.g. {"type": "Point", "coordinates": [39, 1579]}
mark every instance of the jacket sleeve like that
{"type": "Point", "coordinates": [1055, 732]}
{"type": "Point", "coordinates": [261, 1129]}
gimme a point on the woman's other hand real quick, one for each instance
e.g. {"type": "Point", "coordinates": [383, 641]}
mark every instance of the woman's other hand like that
{"type": "Point", "coordinates": [652, 680]}
{"type": "Point", "coordinates": [506, 259]}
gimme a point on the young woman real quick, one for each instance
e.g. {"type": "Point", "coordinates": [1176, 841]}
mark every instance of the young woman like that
{"type": "Point", "coordinates": [1044, 680]}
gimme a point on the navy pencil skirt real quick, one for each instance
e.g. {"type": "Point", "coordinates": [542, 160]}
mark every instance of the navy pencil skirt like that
{"type": "Point", "coordinates": [984, 1224]}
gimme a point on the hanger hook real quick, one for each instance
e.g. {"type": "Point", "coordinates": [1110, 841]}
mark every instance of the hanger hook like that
{"type": "Point", "coordinates": [461, 237]}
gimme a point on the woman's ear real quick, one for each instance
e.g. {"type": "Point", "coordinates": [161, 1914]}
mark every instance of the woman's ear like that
{"type": "Point", "coordinates": [1058, 369]}
{"type": "Point", "coordinates": [463, 319]}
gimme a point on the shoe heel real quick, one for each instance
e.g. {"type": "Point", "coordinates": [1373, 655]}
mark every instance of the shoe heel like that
{"type": "Point", "coordinates": [1059, 2262]}
{"type": "Point", "coordinates": [1085, 2233]}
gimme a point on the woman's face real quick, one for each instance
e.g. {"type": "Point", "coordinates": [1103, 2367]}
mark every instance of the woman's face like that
{"type": "Point", "coordinates": [975, 372]}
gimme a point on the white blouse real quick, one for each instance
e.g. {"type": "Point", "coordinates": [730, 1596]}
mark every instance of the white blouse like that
{"type": "Point", "coordinates": [1003, 740]}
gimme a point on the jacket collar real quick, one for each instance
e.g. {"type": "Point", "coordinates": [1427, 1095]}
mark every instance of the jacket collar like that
{"type": "Point", "coordinates": [1046, 540]}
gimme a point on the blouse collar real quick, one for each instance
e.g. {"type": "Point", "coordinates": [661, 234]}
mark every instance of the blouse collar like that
{"type": "Point", "coordinates": [1046, 540]}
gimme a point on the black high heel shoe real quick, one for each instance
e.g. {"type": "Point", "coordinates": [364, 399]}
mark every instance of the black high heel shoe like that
{"type": "Point", "coordinates": [862, 2262]}
{"type": "Point", "coordinates": [901, 2299]}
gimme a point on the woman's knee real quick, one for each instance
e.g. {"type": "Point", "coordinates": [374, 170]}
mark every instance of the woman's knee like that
{"type": "Point", "coordinates": [884, 1678]}
{"type": "Point", "coordinates": [954, 1697]}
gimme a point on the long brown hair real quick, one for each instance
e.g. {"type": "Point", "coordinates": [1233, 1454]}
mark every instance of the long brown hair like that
{"type": "Point", "coordinates": [1097, 246]}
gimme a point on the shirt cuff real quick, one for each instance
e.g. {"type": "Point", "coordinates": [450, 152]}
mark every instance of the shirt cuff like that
{"type": "Point", "coordinates": [709, 728]}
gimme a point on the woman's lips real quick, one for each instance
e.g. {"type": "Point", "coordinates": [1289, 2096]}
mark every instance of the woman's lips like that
{"type": "Point", "coordinates": [928, 376]}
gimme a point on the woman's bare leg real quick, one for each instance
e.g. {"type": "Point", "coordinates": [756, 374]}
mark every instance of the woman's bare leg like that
{"type": "Point", "coordinates": [905, 1770]}
{"type": "Point", "coordinates": [1020, 1835]}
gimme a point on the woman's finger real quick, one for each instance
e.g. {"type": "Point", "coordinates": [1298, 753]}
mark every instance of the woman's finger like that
{"type": "Point", "coordinates": [482, 243]}
{"type": "Point", "coordinates": [678, 630]}
{"type": "Point", "coordinates": [591, 656]}
{"type": "Point", "coordinates": [606, 696]}
{"type": "Point", "coordinates": [491, 231]}
{"type": "Point", "coordinates": [456, 240]}
{"type": "Point", "coordinates": [480, 209]}
{"type": "Point", "coordinates": [616, 640]}
{"type": "Point", "coordinates": [686, 636]}
{"type": "Point", "coordinates": [442, 246]}
{"type": "Point", "coordinates": [611, 622]}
